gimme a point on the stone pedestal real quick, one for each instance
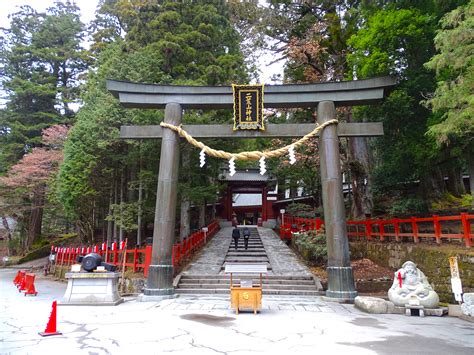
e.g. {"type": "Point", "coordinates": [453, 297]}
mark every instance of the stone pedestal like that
{"type": "Point", "coordinates": [92, 289]}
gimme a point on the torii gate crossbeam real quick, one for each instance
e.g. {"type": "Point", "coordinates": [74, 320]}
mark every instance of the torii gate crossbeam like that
{"type": "Point", "coordinates": [324, 96]}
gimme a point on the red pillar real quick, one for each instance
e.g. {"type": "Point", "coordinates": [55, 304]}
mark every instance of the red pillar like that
{"type": "Point", "coordinates": [264, 203]}
{"type": "Point", "coordinates": [224, 213]}
{"type": "Point", "coordinates": [229, 203]}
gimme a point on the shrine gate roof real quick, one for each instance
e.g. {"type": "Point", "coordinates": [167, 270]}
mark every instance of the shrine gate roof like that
{"type": "Point", "coordinates": [342, 93]}
{"type": "Point", "coordinates": [248, 175]}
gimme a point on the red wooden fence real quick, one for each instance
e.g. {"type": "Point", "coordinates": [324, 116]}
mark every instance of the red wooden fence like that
{"type": "Point", "coordinates": [136, 259]}
{"type": "Point", "coordinates": [436, 228]}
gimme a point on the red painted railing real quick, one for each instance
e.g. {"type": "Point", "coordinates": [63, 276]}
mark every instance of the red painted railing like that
{"type": "Point", "coordinates": [136, 259]}
{"type": "Point", "coordinates": [435, 228]}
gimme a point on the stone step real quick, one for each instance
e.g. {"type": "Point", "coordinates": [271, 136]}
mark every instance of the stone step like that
{"type": "Point", "coordinates": [269, 267]}
{"type": "Point", "coordinates": [242, 258]}
{"type": "Point", "coordinates": [256, 276]}
{"type": "Point", "coordinates": [249, 249]}
{"type": "Point", "coordinates": [224, 291]}
{"type": "Point", "coordinates": [246, 254]}
{"type": "Point", "coordinates": [254, 280]}
{"type": "Point", "coordinates": [265, 286]}
{"type": "Point", "coordinates": [253, 245]}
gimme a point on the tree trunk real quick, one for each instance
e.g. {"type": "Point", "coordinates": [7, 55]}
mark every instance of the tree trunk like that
{"type": "Point", "coordinates": [36, 217]}
{"type": "Point", "coordinates": [185, 215]}
{"type": "Point", "coordinates": [432, 185]}
{"type": "Point", "coordinates": [202, 214]}
{"type": "Point", "coordinates": [213, 211]}
{"type": "Point", "coordinates": [455, 185]}
{"type": "Point", "coordinates": [9, 233]}
{"type": "Point", "coordinates": [115, 203]}
{"type": "Point", "coordinates": [93, 223]}
{"type": "Point", "coordinates": [109, 220]}
{"type": "Point", "coordinates": [140, 199]}
{"type": "Point", "coordinates": [361, 181]}
{"type": "Point", "coordinates": [122, 181]}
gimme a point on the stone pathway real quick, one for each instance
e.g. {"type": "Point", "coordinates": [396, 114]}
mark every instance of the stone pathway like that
{"type": "Point", "coordinates": [205, 324]}
{"type": "Point", "coordinates": [286, 274]}
{"type": "Point", "coordinates": [283, 260]}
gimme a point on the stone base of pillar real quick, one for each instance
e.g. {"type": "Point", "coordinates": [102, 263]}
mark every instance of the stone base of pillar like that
{"type": "Point", "coordinates": [159, 281]}
{"type": "Point", "coordinates": [340, 284]}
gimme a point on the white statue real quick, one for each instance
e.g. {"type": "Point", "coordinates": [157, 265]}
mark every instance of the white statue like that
{"type": "Point", "coordinates": [468, 306]}
{"type": "Point", "coordinates": [410, 287]}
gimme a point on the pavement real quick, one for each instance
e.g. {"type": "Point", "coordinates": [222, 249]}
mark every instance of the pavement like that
{"type": "Point", "coordinates": [201, 324]}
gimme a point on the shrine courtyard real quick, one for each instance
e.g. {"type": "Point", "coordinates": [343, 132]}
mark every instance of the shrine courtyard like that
{"type": "Point", "coordinates": [205, 324]}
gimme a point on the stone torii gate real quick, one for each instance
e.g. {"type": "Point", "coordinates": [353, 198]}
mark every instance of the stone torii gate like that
{"type": "Point", "coordinates": [324, 96]}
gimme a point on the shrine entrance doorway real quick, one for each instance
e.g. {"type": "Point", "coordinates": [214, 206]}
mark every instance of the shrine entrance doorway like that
{"type": "Point", "coordinates": [249, 197]}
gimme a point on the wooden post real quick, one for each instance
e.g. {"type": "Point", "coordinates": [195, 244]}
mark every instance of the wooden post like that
{"type": "Point", "coordinates": [466, 228]}
{"type": "Point", "coordinates": [414, 228]}
{"type": "Point", "coordinates": [381, 230]}
{"type": "Point", "coordinates": [437, 229]}
{"type": "Point", "coordinates": [396, 227]}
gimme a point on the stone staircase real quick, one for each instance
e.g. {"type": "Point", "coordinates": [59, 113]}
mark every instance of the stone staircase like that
{"type": "Point", "coordinates": [273, 284]}
{"type": "Point", "coordinates": [254, 254]}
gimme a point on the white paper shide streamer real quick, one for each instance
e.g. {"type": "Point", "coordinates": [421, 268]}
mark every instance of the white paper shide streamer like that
{"type": "Point", "coordinates": [232, 166]}
{"type": "Point", "coordinates": [263, 168]}
{"type": "Point", "coordinates": [291, 153]}
{"type": "Point", "coordinates": [202, 158]}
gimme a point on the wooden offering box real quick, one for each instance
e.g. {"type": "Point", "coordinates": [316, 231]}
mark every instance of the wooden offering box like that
{"type": "Point", "coordinates": [245, 295]}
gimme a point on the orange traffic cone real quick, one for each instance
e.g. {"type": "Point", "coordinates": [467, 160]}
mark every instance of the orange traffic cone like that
{"type": "Point", "coordinates": [51, 326]}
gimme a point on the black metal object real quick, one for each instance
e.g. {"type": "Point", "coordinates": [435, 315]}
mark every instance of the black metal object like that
{"type": "Point", "coordinates": [91, 261]}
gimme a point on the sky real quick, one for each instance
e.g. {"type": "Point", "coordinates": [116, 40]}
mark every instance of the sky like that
{"type": "Point", "coordinates": [87, 14]}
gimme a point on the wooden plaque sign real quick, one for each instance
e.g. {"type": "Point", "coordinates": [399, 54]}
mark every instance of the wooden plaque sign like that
{"type": "Point", "coordinates": [248, 107]}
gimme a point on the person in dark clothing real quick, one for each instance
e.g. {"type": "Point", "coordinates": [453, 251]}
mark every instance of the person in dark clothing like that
{"type": "Point", "coordinates": [236, 236]}
{"type": "Point", "coordinates": [246, 234]}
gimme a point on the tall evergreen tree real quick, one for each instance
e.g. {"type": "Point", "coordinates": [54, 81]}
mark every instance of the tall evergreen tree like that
{"type": "Point", "coordinates": [397, 39]}
{"type": "Point", "coordinates": [41, 59]}
{"type": "Point", "coordinates": [453, 99]}
{"type": "Point", "coordinates": [163, 42]}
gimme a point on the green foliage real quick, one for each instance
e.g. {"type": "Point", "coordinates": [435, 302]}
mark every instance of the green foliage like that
{"type": "Point", "coordinates": [43, 247]}
{"type": "Point", "coordinates": [398, 40]}
{"type": "Point", "coordinates": [448, 202]}
{"type": "Point", "coordinates": [454, 65]}
{"type": "Point", "coordinates": [408, 207]}
{"type": "Point", "coordinates": [301, 210]}
{"type": "Point", "coordinates": [391, 42]}
{"type": "Point", "coordinates": [169, 42]}
{"type": "Point", "coordinates": [41, 59]}
{"type": "Point", "coordinates": [124, 215]}
{"type": "Point", "coordinates": [312, 245]}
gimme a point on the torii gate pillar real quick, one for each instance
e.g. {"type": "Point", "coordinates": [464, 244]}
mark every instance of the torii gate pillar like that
{"type": "Point", "coordinates": [340, 278]}
{"type": "Point", "coordinates": [160, 272]}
